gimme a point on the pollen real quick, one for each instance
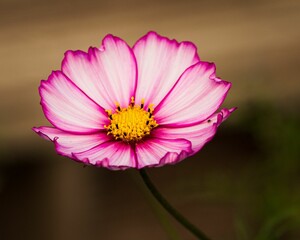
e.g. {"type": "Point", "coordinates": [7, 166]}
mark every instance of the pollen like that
{"type": "Point", "coordinates": [131, 124]}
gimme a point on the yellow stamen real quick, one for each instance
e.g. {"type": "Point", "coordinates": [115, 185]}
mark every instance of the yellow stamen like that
{"type": "Point", "coordinates": [142, 103]}
{"type": "Point", "coordinates": [131, 124]}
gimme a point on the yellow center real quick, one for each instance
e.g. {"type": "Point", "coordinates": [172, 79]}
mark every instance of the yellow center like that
{"type": "Point", "coordinates": [131, 124]}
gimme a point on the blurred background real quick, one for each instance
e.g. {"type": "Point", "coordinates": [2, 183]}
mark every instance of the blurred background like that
{"type": "Point", "coordinates": [243, 185]}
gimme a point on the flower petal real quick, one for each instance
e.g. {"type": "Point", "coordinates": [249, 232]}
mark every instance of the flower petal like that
{"type": "Point", "coordinates": [196, 96]}
{"type": "Point", "coordinates": [113, 155]}
{"type": "Point", "coordinates": [68, 143]}
{"type": "Point", "coordinates": [106, 74]}
{"type": "Point", "coordinates": [198, 134]}
{"type": "Point", "coordinates": [160, 63]}
{"type": "Point", "coordinates": [68, 108]}
{"type": "Point", "coordinates": [156, 152]}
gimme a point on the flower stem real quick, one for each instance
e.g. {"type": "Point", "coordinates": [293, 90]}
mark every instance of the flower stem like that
{"type": "Point", "coordinates": [181, 219]}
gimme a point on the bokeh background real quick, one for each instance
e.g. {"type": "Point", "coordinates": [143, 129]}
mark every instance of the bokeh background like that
{"type": "Point", "coordinates": [243, 185]}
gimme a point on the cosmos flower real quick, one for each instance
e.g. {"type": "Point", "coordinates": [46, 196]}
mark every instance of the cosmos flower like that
{"type": "Point", "coordinates": [120, 107]}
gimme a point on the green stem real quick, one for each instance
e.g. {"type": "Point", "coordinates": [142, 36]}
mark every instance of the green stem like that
{"type": "Point", "coordinates": [158, 210]}
{"type": "Point", "coordinates": [181, 219]}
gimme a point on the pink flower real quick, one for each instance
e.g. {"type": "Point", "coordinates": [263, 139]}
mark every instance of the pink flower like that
{"type": "Point", "coordinates": [120, 107]}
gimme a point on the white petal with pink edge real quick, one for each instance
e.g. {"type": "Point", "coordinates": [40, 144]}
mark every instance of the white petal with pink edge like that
{"type": "Point", "coordinates": [160, 63]}
{"type": "Point", "coordinates": [106, 74]}
{"type": "Point", "coordinates": [68, 143]}
{"type": "Point", "coordinates": [155, 152]}
{"type": "Point", "coordinates": [68, 108]}
{"type": "Point", "coordinates": [198, 134]}
{"type": "Point", "coordinates": [196, 96]}
{"type": "Point", "coordinates": [114, 155]}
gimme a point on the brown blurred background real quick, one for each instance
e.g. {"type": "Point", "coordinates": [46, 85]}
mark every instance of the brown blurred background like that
{"type": "Point", "coordinates": [244, 185]}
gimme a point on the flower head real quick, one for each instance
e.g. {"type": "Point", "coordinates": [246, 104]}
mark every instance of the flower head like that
{"type": "Point", "coordinates": [121, 107]}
